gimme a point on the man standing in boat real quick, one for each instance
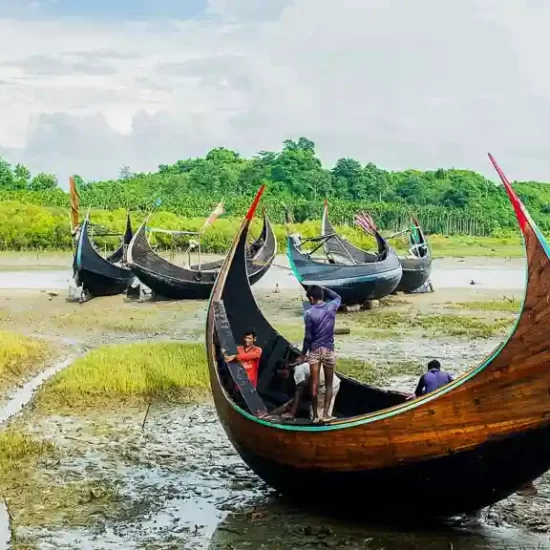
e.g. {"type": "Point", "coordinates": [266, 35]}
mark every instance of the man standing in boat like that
{"type": "Point", "coordinates": [249, 356]}
{"type": "Point", "coordinates": [319, 343]}
{"type": "Point", "coordinates": [432, 380]}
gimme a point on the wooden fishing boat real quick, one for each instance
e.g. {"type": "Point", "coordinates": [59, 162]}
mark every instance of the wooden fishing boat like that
{"type": "Point", "coordinates": [417, 266]}
{"type": "Point", "coordinates": [462, 447]}
{"type": "Point", "coordinates": [119, 255]}
{"type": "Point", "coordinates": [195, 282]}
{"type": "Point", "coordinates": [357, 277]}
{"type": "Point", "coordinates": [99, 276]}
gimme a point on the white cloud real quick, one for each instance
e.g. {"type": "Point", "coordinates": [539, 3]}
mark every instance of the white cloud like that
{"type": "Point", "coordinates": [421, 84]}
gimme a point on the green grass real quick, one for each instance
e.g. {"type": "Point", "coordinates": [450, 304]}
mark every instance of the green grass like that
{"type": "Point", "coordinates": [463, 246]}
{"type": "Point", "coordinates": [377, 375]}
{"type": "Point", "coordinates": [430, 324]}
{"type": "Point", "coordinates": [113, 374]}
{"type": "Point", "coordinates": [19, 356]}
{"type": "Point", "coordinates": [512, 306]}
{"type": "Point", "coordinates": [16, 447]}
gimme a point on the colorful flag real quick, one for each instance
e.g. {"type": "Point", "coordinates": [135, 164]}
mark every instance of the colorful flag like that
{"type": "Point", "coordinates": [75, 203]}
{"type": "Point", "coordinates": [218, 211]}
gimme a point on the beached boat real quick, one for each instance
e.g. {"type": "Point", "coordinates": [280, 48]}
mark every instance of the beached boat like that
{"type": "Point", "coordinates": [462, 447]}
{"type": "Point", "coordinates": [417, 265]}
{"type": "Point", "coordinates": [195, 282]}
{"type": "Point", "coordinates": [357, 276]}
{"type": "Point", "coordinates": [96, 275]}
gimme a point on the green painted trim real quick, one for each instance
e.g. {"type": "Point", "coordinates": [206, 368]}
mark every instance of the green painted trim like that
{"type": "Point", "coordinates": [291, 261]}
{"type": "Point", "coordinates": [373, 417]}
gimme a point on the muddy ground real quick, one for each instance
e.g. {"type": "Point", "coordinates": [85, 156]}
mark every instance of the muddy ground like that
{"type": "Point", "coordinates": [177, 483]}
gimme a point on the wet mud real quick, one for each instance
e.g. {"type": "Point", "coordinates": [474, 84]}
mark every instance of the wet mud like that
{"type": "Point", "coordinates": [177, 482]}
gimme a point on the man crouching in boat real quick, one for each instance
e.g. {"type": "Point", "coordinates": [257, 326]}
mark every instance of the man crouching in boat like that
{"type": "Point", "coordinates": [302, 373]}
{"type": "Point", "coordinates": [432, 380]}
{"type": "Point", "coordinates": [249, 356]}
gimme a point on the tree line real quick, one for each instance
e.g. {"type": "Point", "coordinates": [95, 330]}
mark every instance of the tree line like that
{"type": "Point", "coordinates": [447, 201]}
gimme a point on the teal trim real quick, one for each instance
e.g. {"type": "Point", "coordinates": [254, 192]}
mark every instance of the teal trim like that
{"type": "Point", "coordinates": [417, 402]}
{"type": "Point", "coordinates": [79, 246]}
{"type": "Point", "coordinates": [291, 261]}
{"type": "Point", "coordinates": [388, 413]}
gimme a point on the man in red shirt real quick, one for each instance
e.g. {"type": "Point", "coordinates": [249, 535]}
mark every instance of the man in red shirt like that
{"type": "Point", "coordinates": [249, 356]}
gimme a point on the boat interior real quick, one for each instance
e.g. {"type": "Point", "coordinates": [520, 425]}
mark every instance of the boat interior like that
{"type": "Point", "coordinates": [241, 313]}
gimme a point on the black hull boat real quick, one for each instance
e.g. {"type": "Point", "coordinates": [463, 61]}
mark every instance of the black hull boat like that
{"type": "Point", "coordinates": [98, 276]}
{"type": "Point", "coordinates": [357, 278]}
{"type": "Point", "coordinates": [458, 449]}
{"type": "Point", "coordinates": [174, 282]}
{"type": "Point", "coordinates": [417, 267]}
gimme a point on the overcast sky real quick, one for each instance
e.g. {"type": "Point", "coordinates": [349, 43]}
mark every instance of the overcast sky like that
{"type": "Point", "coordinates": [87, 86]}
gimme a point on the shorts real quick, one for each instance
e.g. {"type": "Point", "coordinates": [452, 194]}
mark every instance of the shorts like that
{"type": "Point", "coordinates": [323, 357]}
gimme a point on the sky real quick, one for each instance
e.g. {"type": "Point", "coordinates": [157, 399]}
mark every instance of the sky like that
{"type": "Point", "coordinates": [89, 86]}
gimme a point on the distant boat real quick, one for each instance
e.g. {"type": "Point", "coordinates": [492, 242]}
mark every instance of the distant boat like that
{"type": "Point", "coordinates": [356, 278]}
{"type": "Point", "coordinates": [96, 275]}
{"type": "Point", "coordinates": [195, 282]}
{"type": "Point", "coordinates": [417, 267]}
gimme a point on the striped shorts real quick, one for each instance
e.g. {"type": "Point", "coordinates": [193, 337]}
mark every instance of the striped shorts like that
{"type": "Point", "coordinates": [323, 357]}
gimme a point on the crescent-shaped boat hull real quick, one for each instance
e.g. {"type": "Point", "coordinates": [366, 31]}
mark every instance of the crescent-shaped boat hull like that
{"type": "Point", "coordinates": [416, 272]}
{"type": "Point", "coordinates": [96, 275]}
{"type": "Point", "coordinates": [179, 283]}
{"type": "Point", "coordinates": [355, 284]}
{"type": "Point", "coordinates": [464, 446]}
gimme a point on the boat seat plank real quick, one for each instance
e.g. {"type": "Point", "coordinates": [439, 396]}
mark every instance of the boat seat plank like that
{"type": "Point", "coordinates": [251, 397]}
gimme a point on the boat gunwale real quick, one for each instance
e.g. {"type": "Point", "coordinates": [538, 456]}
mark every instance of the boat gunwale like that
{"type": "Point", "coordinates": [359, 420]}
{"type": "Point", "coordinates": [266, 263]}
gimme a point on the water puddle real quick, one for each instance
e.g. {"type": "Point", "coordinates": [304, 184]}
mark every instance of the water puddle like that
{"type": "Point", "coordinates": [5, 535]}
{"type": "Point", "coordinates": [24, 394]}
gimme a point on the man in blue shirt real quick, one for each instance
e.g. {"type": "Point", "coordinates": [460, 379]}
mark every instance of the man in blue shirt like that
{"type": "Point", "coordinates": [319, 343]}
{"type": "Point", "coordinates": [433, 379]}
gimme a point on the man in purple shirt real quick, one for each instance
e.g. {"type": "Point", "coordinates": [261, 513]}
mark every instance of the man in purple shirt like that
{"type": "Point", "coordinates": [433, 379]}
{"type": "Point", "coordinates": [319, 342]}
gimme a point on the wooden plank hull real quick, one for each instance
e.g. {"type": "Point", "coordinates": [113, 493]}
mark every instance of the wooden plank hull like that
{"type": "Point", "coordinates": [180, 283]}
{"type": "Point", "coordinates": [459, 448]}
{"type": "Point", "coordinates": [457, 482]}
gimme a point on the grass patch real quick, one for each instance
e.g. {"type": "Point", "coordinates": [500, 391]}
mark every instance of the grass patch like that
{"type": "Point", "coordinates": [404, 368]}
{"type": "Point", "coordinates": [360, 370]}
{"type": "Point", "coordinates": [513, 306]}
{"type": "Point", "coordinates": [431, 324]}
{"type": "Point", "coordinates": [378, 375]}
{"type": "Point", "coordinates": [463, 246]}
{"type": "Point", "coordinates": [121, 373]}
{"type": "Point", "coordinates": [116, 320]}
{"type": "Point", "coordinates": [457, 325]}
{"type": "Point", "coordinates": [19, 356]}
{"type": "Point", "coordinates": [16, 447]}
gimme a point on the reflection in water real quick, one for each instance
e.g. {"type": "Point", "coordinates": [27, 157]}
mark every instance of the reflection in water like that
{"type": "Point", "coordinates": [274, 525]}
